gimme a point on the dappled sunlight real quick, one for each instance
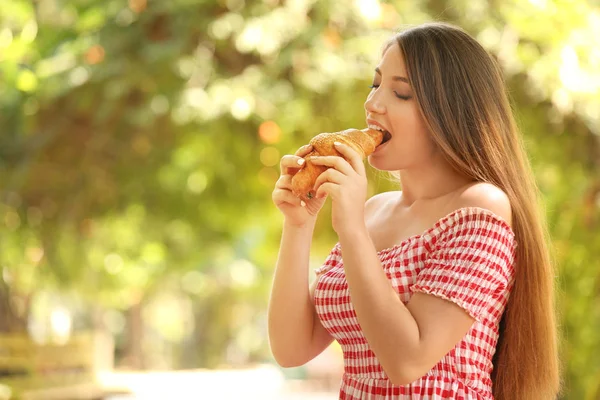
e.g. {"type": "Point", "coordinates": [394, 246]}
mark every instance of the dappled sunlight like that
{"type": "Point", "coordinates": [370, 9]}
{"type": "Point", "coordinates": [140, 145]}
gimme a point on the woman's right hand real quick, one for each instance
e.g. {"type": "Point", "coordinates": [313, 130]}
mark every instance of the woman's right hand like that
{"type": "Point", "coordinates": [295, 211]}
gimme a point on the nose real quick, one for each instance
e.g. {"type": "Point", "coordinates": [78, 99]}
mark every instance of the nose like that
{"type": "Point", "coordinates": [373, 104]}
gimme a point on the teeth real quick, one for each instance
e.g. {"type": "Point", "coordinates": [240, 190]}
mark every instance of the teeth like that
{"type": "Point", "coordinates": [377, 128]}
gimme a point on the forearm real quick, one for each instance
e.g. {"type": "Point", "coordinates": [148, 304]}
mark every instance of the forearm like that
{"type": "Point", "coordinates": [290, 314]}
{"type": "Point", "coordinates": [389, 327]}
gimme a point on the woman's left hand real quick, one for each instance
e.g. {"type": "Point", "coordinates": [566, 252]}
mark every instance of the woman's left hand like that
{"type": "Point", "coordinates": [346, 183]}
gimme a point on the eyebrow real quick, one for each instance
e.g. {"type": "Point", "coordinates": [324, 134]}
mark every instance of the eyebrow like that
{"type": "Point", "coordinates": [394, 78]}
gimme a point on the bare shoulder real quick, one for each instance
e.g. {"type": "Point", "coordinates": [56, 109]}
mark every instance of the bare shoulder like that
{"type": "Point", "coordinates": [375, 202]}
{"type": "Point", "coordinates": [487, 196]}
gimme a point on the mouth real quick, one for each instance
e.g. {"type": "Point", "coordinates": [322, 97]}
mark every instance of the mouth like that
{"type": "Point", "coordinates": [386, 137]}
{"type": "Point", "coordinates": [386, 134]}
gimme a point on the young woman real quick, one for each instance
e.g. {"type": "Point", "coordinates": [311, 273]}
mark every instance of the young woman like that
{"type": "Point", "coordinates": [443, 290]}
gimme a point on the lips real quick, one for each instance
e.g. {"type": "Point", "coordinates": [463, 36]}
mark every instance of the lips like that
{"type": "Point", "coordinates": [376, 125]}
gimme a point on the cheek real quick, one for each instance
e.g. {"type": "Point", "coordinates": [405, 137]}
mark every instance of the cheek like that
{"type": "Point", "coordinates": [411, 145]}
{"type": "Point", "coordinates": [407, 118]}
{"type": "Point", "coordinates": [410, 130]}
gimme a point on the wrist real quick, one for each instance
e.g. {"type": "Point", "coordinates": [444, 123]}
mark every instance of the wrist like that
{"type": "Point", "coordinates": [354, 237]}
{"type": "Point", "coordinates": [308, 226]}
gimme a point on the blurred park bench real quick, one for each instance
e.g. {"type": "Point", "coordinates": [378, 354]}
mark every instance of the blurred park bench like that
{"type": "Point", "coordinates": [29, 370]}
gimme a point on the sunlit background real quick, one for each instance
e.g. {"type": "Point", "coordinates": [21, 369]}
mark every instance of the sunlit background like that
{"type": "Point", "coordinates": [139, 145]}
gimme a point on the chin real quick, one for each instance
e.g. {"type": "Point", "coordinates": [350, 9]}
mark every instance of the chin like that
{"type": "Point", "coordinates": [380, 164]}
{"type": "Point", "coordinates": [386, 164]}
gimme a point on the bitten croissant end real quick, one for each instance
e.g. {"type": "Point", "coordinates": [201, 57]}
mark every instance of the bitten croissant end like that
{"type": "Point", "coordinates": [363, 141]}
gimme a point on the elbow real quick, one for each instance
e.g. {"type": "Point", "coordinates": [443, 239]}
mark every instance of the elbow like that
{"type": "Point", "coordinates": [404, 374]}
{"type": "Point", "coordinates": [287, 360]}
{"type": "Point", "coordinates": [285, 356]}
{"type": "Point", "coordinates": [285, 363]}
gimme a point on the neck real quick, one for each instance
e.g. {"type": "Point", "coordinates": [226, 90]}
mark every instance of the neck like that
{"type": "Point", "coordinates": [430, 182]}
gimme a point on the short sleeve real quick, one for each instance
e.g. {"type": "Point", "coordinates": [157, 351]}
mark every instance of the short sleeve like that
{"type": "Point", "coordinates": [472, 263]}
{"type": "Point", "coordinates": [333, 260]}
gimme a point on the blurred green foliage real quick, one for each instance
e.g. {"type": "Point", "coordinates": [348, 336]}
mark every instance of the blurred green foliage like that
{"type": "Point", "coordinates": [140, 143]}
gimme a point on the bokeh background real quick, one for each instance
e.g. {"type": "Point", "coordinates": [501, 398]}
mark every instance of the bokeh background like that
{"type": "Point", "coordinates": [140, 142]}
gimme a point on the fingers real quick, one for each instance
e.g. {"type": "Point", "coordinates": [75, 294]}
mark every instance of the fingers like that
{"type": "Point", "coordinates": [304, 150]}
{"type": "Point", "coordinates": [285, 196]}
{"type": "Point", "coordinates": [283, 192]}
{"type": "Point", "coordinates": [331, 175]}
{"type": "Point", "coordinates": [284, 182]}
{"type": "Point", "coordinates": [335, 162]}
{"type": "Point", "coordinates": [352, 157]}
{"type": "Point", "coordinates": [290, 164]}
{"type": "Point", "coordinates": [326, 189]}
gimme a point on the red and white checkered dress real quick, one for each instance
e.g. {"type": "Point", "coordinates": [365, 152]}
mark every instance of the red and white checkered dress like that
{"type": "Point", "coordinates": [467, 257]}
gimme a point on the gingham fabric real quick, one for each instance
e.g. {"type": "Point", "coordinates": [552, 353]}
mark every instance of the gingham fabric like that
{"type": "Point", "coordinates": [468, 258]}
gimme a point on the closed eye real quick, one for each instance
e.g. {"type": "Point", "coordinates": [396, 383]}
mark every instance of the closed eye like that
{"type": "Point", "coordinates": [401, 97]}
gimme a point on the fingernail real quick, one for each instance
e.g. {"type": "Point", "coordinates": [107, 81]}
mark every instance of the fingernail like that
{"type": "Point", "coordinates": [301, 161]}
{"type": "Point", "coordinates": [302, 203]}
{"type": "Point", "coordinates": [337, 143]}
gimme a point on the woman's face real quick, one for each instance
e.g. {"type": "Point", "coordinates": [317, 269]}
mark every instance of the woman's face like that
{"type": "Point", "coordinates": [391, 105]}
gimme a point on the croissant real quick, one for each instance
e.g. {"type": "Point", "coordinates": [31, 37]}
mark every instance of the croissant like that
{"type": "Point", "coordinates": [363, 141]}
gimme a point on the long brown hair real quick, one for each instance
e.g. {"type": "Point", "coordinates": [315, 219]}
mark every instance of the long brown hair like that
{"type": "Point", "coordinates": [461, 94]}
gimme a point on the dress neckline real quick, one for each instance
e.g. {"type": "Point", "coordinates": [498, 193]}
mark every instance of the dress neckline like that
{"type": "Point", "coordinates": [439, 222]}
